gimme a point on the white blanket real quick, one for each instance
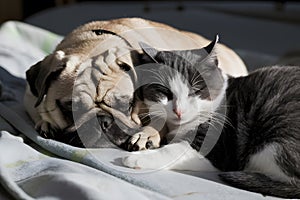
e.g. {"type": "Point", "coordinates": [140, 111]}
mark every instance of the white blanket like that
{"type": "Point", "coordinates": [35, 168]}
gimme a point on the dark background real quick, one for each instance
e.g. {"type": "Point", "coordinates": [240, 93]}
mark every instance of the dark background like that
{"type": "Point", "coordinates": [261, 32]}
{"type": "Point", "coordinates": [21, 9]}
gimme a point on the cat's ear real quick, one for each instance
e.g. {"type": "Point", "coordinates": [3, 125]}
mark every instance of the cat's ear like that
{"type": "Point", "coordinates": [210, 48]}
{"type": "Point", "coordinates": [148, 50]}
{"type": "Point", "coordinates": [207, 50]}
{"type": "Point", "coordinates": [208, 53]}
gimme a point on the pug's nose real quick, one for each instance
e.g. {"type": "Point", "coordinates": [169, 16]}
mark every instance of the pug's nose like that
{"type": "Point", "coordinates": [105, 122]}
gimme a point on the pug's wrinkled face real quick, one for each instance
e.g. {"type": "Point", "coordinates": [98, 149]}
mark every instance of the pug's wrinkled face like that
{"type": "Point", "coordinates": [83, 100]}
{"type": "Point", "coordinates": [102, 100]}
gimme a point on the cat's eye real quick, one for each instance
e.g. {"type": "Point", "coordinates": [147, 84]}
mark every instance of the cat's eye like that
{"type": "Point", "coordinates": [192, 94]}
{"type": "Point", "coordinates": [195, 93]}
{"type": "Point", "coordinates": [164, 100]}
{"type": "Point", "coordinates": [165, 93]}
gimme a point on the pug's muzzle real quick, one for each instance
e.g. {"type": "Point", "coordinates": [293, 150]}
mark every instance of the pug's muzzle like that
{"type": "Point", "coordinates": [99, 127]}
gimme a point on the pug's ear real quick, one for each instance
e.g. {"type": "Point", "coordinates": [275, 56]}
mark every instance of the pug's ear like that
{"type": "Point", "coordinates": [40, 75]}
{"type": "Point", "coordinates": [149, 51]}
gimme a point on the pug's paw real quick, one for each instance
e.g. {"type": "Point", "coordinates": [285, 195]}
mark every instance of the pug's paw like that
{"type": "Point", "coordinates": [45, 129]}
{"type": "Point", "coordinates": [149, 138]}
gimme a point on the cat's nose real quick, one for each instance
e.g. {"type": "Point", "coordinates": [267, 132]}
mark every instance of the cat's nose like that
{"type": "Point", "coordinates": [177, 112]}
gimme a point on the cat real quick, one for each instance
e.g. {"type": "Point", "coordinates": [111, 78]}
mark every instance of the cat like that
{"type": "Point", "coordinates": [163, 88]}
{"type": "Point", "coordinates": [246, 128]}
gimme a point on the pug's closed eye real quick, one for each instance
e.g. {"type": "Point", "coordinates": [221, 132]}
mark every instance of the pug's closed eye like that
{"type": "Point", "coordinates": [66, 108]}
{"type": "Point", "coordinates": [64, 105]}
{"type": "Point", "coordinates": [124, 66]}
{"type": "Point", "coordinates": [71, 105]}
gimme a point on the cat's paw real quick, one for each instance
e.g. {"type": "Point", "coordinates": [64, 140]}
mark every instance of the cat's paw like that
{"type": "Point", "coordinates": [140, 161]}
{"type": "Point", "coordinates": [176, 156]}
{"type": "Point", "coordinates": [135, 118]}
{"type": "Point", "coordinates": [131, 161]}
{"type": "Point", "coordinates": [45, 129]}
{"type": "Point", "coordinates": [149, 138]}
{"type": "Point", "coordinates": [153, 159]}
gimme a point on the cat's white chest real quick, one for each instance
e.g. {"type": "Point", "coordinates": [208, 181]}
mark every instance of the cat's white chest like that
{"type": "Point", "coordinates": [265, 162]}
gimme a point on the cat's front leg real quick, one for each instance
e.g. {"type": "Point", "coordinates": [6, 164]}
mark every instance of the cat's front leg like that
{"type": "Point", "coordinates": [148, 138]}
{"type": "Point", "coordinates": [135, 112]}
{"type": "Point", "coordinates": [176, 156]}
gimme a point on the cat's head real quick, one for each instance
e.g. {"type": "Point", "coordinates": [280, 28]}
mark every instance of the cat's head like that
{"type": "Point", "coordinates": [189, 84]}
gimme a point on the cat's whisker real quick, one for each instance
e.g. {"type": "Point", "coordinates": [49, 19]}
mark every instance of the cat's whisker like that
{"type": "Point", "coordinates": [215, 123]}
{"type": "Point", "coordinates": [221, 119]}
{"type": "Point", "coordinates": [204, 71]}
{"type": "Point", "coordinates": [213, 126]}
{"type": "Point", "coordinates": [196, 80]}
{"type": "Point", "coordinates": [195, 88]}
{"type": "Point", "coordinates": [152, 111]}
{"type": "Point", "coordinates": [159, 75]}
{"type": "Point", "coordinates": [157, 114]}
{"type": "Point", "coordinates": [155, 75]}
{"type": "Point", "coordinates": [150, 118]}
{"type": "Point", "coordinates": [146, 121]}
{"type": "Point", "coordinates": [213, 119]}
{"type": "Point", "coordinates": [194, 77]}
{"type": "Point", "coordinates": [153, 115]}
{"type": "Point", "coordinates": [153, 120]}
{"type": "Point", "coordinates": [142, 116]}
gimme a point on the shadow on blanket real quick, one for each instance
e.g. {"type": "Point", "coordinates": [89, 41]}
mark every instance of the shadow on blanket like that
{"type": "Point", "coordinates": [11, 88]}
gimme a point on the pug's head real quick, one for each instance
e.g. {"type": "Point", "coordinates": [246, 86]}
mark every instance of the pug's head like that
{"type": "Point", "coordinates": [83, 92]}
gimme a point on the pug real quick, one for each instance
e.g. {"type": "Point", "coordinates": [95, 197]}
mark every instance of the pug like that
{"type": "Point", "coordinates": [83, 93]}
